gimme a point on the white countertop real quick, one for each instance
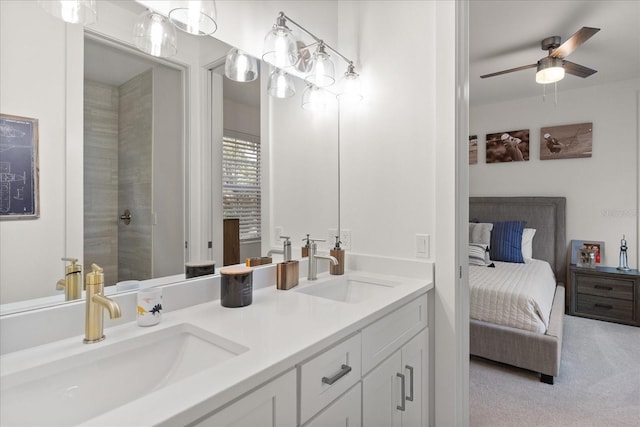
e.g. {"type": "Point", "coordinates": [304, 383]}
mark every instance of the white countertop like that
{"type": "Point", "coordinates": [280, 329]}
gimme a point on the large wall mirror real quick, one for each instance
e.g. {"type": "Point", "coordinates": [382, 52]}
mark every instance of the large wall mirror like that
{"type": "Point", "coordinates": [299, 167]}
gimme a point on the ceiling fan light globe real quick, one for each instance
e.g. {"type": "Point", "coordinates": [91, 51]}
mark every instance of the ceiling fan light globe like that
{"type": "Point", "coordinates": [550, 75]}
{"type": "Point", "coordinates": [550, 70]}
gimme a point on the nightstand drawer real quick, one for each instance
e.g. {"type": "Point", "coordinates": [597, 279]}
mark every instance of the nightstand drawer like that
{"type": "Point", "coordinates": [605, 307]}
{"type": "Point", "coordinates": [604, 286]}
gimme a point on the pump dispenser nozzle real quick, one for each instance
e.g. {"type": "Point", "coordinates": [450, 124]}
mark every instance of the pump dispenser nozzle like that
{"type": "Point", "coordinates": [307, 245]}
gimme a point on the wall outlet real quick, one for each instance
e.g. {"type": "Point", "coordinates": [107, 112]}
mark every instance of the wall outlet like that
{"type": "Point", "coordinates": [277, 232]}
{"type": "Point", "coordinates": [422, 245]}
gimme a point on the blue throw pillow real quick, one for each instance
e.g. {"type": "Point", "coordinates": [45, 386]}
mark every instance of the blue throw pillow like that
{"type": "Point", "coordinates": [506, 241]}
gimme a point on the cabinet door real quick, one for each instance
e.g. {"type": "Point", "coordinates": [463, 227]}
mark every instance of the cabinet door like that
{"type": "Point", "coordinates": [415, 368]}
{"type": "Point", "coordinates": [381, 394]}
{"type": "Point", "coordinates": [344, 412]}
{"type": "Point", "coordinates": [273, 404]}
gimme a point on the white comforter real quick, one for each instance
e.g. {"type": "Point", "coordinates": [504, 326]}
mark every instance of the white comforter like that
{"type": "Point", "coordinates": [516, 295]}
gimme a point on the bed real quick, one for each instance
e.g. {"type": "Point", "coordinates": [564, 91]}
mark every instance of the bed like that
{"type": "Point", "coordinates": [529, 349]}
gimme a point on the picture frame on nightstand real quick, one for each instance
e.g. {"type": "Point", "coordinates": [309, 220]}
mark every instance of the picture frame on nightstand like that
{"type": "Point", "coordinates": [594, 245]}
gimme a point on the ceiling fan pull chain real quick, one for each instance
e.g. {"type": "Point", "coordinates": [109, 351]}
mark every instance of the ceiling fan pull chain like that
{"type": "Point", "coordinates": [544, 93]}
{"type": "Point", "coordinates": [555, 92]}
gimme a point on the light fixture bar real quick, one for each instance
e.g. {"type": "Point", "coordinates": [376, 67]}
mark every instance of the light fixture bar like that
{"type": "Point", "coordinates": [318, 40]}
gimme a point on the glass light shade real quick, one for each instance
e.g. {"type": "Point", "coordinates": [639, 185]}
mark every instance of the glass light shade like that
{"type": "Point", "coordinates": [352, 87]}
{"type": "Point", "coordinates": [240, 66]}
{"type": "Point", "coordinates": [322, 71]}
{"type": "Point", "coordinates": [280, 48]}
{"type": "Point", "coordinates": [155, 35]}
{"type": "Point", "coordinates": [550, 70]}
{"type": "Point", "coordinates": [196, 17]}
{"type": "Point", "coordinates": [280, 84]}
{"type": "Point", "coordinates": [314, 99]}
{"type": "Point", "coordinates": [72, 11]}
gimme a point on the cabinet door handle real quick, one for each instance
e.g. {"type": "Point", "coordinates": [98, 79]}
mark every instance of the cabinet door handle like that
{"type": "Point", "coordinates": [410, 369]}
{"type": "Point", "coordinates": [607, 306]}
{"type": "Point", "coordinates": [403, 396]}
{"type": "Point", "coordinates": [344, 370]}
{"type": "Point", "coordinates": [606, 288]}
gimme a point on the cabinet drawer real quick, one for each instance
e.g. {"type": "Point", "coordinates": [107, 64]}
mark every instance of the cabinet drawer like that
{"type": "Point", "coordinates": [346, 411]}
{"type": "Point", "coordinates": [328, 375]}
{"type": "Point", "coordinates": [604, 286]}
{"type": "Point", "coordinates": [385, 336]}
{"type": "Point", "coordinates": [605, 307]}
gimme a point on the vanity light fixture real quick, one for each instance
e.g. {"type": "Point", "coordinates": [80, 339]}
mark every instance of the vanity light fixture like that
{"type": "Point", "coordinates": [282, 50]}
{"type": "Point", "coordinates": [72, 11]}
{"type": "Point", "coordinates": [352, 88]}
{"type": "Point", "coordinates": [197, 17]}
{"type": "Point", "coordinates": [314, 98]}
{"type": "Point", "coordinates": [239, 66]}
{"type": "Point", "coordinates": [280, 84]}
{"type": "Point", "coordinates": [550, 70]}
{"type": "Point", "coordinates": [155, 35]}
{"type": "Point", "coordinates": [322, 70]}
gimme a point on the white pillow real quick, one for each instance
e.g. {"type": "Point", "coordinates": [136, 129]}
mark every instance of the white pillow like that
{"type": "Point", "coordinates": [527, 242]}
{"type": "Point", "coordinates": [480, 232]}
{"type": "Point", "coordinates": [478, 254]}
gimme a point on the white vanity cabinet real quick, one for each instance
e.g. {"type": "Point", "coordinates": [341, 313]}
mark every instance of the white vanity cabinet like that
{"type": "Point", "coordinates": [395, 368]}
{"type": "Point", "coordinates": [395, 392]}
{"type": "Point", "coordinates": [376, 376]}
{"type": "Point", "coordinates": [273, 404]}
{"type": "Point", "coordinates": [344, 412]}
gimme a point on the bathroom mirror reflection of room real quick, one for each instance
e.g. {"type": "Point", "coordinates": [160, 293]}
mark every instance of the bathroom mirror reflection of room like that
{"type": "Point", "coordinates": [133, 164]}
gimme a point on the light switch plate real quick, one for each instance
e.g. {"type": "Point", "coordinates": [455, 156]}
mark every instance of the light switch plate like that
{"type": "Point", "coordinates": [422, 246]}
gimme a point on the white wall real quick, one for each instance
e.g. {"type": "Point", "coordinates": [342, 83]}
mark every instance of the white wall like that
{"type": "Point", "coordinates": [40, 240]}
{"type": "Point", "coordinates": [387, 141]}
{"type": "Point", "coordinates": [601, 190]}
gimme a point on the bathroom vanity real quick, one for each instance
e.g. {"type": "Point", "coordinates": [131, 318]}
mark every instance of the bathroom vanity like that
{"type": "Point", "coordinates": [351, 347]}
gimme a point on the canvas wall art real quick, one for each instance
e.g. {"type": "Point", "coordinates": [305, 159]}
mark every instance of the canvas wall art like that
{"type": "Point", "coordinates": [566, 142]}
{"type": "Point", "coordinates": [509, 146]}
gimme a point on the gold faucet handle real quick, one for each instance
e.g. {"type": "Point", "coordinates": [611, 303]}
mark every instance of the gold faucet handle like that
{"type": "Point", "coordinates": [74, 267]}
{"type": "Point", "coordinates": [96, 277]}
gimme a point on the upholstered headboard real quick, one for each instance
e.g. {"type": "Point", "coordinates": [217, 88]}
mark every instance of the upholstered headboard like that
{"type": "Point", "coordinates": [545, 214]}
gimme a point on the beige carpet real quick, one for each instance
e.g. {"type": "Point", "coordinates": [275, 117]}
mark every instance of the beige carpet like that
{"type": "Point", "coordinates": [598, 385]}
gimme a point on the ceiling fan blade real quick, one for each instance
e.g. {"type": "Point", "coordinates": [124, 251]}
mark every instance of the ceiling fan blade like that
{"type": "Point", "coordinates": [573, 42]}
{"type": "Point", "coordinates": [577, 69]}
{"type": "Point", "coordinates": [511, 70]}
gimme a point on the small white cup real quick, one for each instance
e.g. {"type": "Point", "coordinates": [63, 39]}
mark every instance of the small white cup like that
{"type": "Point", "coordinates": [149, 306]}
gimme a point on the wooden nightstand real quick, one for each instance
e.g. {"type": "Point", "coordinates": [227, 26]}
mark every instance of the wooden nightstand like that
{"type": "Point", "coordinates": [605, 293]}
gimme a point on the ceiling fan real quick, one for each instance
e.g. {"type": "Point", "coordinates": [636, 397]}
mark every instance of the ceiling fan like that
{"type": "Point", "coordinates": [552, 67]}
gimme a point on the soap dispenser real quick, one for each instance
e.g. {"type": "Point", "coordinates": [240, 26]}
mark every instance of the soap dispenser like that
{"type": "Point", "coordinates": [307, 245]}
{"type": "Point", "coordinates": [287, 271]}
{"type": "Point", "coordinates": [338, 253]}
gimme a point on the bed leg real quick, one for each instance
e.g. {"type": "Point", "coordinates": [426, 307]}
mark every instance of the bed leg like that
{"type": "Point", "coordinates": [547, 379]}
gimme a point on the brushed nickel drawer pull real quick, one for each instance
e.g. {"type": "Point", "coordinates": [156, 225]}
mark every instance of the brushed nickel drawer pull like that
{"type": "Point", "coordinates": [403, 396]}
{"type": "Point", "coordinates": [344, 370]}
{"type": "Point", "coordinates": [606, 288]}
{"type": "Point", "coordinates": [607, 306]}
{"type": "Point", "coordinates": [410, 369]}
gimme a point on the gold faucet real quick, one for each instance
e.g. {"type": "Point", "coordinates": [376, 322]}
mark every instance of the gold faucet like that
{"type": "Point", "coordinates": [72, 282]}
{"type": "Point", "coordinates": [96, 303]}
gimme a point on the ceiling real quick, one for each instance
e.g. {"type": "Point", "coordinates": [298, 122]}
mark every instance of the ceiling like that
{"type": "Point", "coordinates": [507, 34]}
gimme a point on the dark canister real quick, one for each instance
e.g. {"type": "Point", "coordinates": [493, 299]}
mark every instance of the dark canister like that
{"type": "Point", "coordinates": [236, 287]}
{"type": "Point", "coordinates": [199, 268]}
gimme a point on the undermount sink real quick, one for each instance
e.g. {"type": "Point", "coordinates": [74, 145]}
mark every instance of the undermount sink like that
{"type": "Point", "coordinates": [349, 289]}
{"type": "Point", "coordinates": [70, 390]}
